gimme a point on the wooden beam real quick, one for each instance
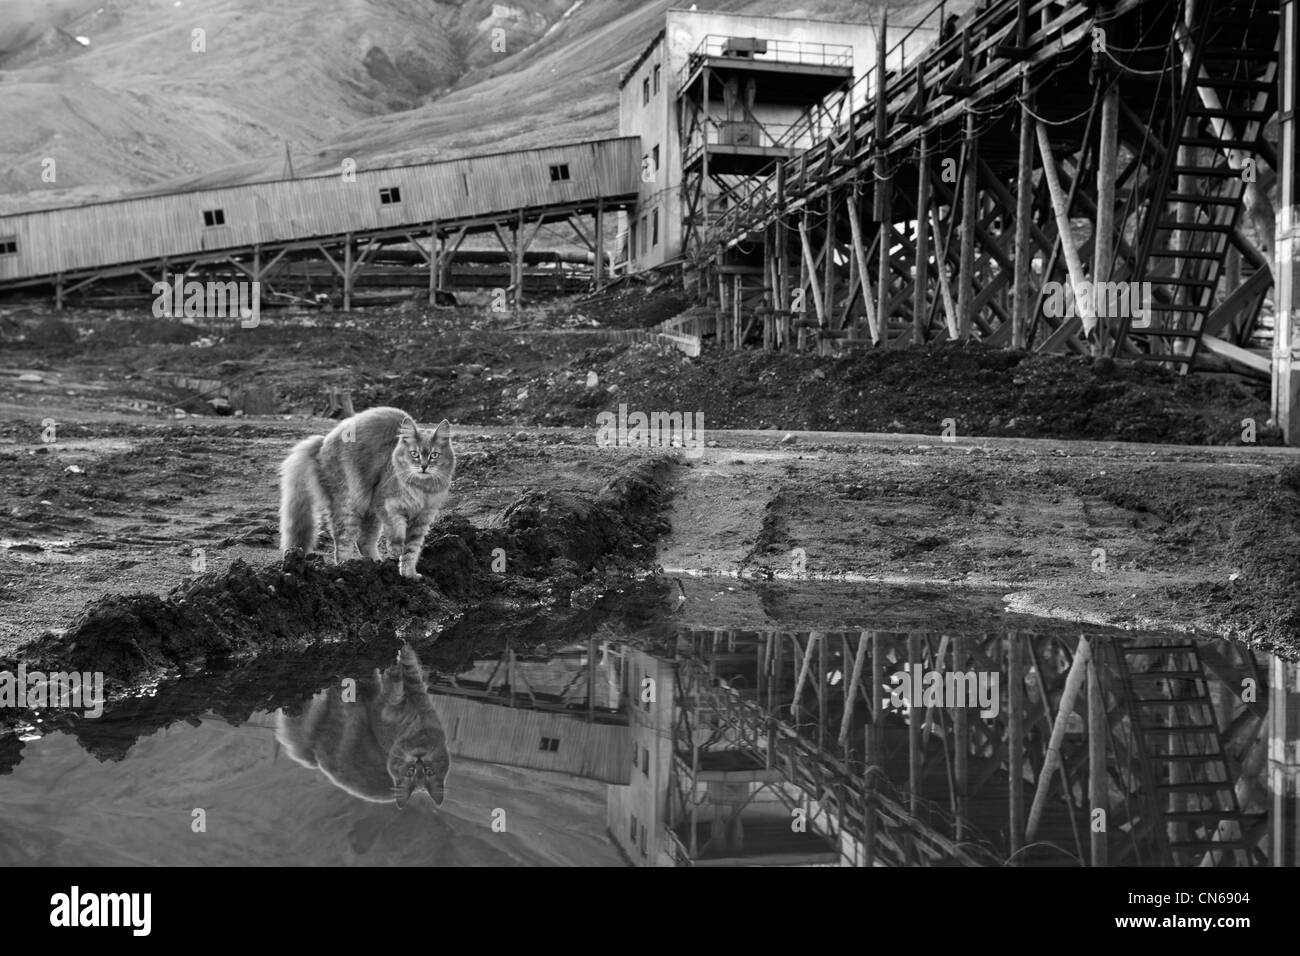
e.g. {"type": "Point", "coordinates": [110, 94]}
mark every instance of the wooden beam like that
{"type": "Point", "coordinates": [1103, 249]}
{"type": "Point", "coordinates": [860, 256]}
{"type": "Point", "coordinates": [1098, 783]}
{"type": "Point", "coordinates": [1073, 681]}
{"type": "Point", "coordinates": [1015, 741]}
{"type": "Point", "coordinates": [966, 233]}
{"type": "Point", "coordinates": [1084, 305]}
{"type": "Point", "coordinates": [810, 264]}
{"type": "Point", "coordinates": [1023, 218]}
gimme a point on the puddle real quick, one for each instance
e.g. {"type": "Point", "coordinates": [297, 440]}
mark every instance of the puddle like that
{"type": "Point", "coordinates": [657, 729]}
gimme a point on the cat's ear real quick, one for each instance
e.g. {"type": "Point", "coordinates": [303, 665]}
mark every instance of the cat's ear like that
{"type": "Point", "coordinates": [442, 432]}
{"type": "Point", "coordinates": [408, 429]}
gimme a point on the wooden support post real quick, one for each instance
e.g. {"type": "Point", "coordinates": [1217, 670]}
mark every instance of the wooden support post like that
{"type": "Point", "coordinates": [872, 743]}
{"type": "Point", "coordinates": [1285, 394]}
{"type": "Point", "coordinates": [864, 275]}
{"type": "Point", "coordinates": [599, 273]}
{"type": "Point", "coordinates": [1015, 741]}
{"type": "Point", "coordinates": [960, 742]}
{"type": "Point", "coordinates": [821, 696]}
{"type": "Point", "coordinates": [518, 271]}
{"type": "Point", "coordinates": [884, 185]}
{"type": "Point", "coordinates": [347, 273]}
{"type": "Point", "coordinates": [433, 263]}
{"type": "Point", "coordinates": [1024, 252]}
{"type": "Point", "coordinates": [810, 266]}
{"type": "Point", "coordinates": [828, 265]}
{"type": "Point", "coordinates": [921, 279]}
{"type": "Point", "coordinates": [591, 679]}
{"type": "Point", "coordinates": [1084, 303]}
{"type": "Point", "coordinates": [737, 288]}
{"type": "Point", "coordinates": [851, 692]}
{"type": "Point", "coordinates": [1103, 248]}
{"type": "Point", "coordinates": [966, 232]}
{"type": "Point", "coordinates": [1073, 682]}
{"type": "Point", "coordinates": [58, 290]}
{"type": "Point", "coordinates": [1098, 789]}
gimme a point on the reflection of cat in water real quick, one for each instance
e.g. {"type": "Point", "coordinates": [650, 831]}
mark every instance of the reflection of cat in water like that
{"type": "Point", "coordinates": [383, 746]}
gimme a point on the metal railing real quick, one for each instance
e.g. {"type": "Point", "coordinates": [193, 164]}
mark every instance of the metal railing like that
{"type": "Point", "coordinates": [757, 49]}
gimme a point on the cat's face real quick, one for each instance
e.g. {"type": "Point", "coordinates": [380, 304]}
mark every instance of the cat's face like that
{"type": "Point", "coordinates": [425, 456]}
{"type": "Point", "coordinates": [419, 768]}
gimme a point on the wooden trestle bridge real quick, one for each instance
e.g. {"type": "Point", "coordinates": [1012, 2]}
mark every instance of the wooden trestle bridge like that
{"type": "Point", "coordinates": [1035, 150]}
{"type": "Point", "coordinates": [1101, 751]}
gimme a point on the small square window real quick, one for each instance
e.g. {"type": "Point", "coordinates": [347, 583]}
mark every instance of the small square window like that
{"type": "Point", "coordinates": [560, 173]}
{"type": "Point", "coordinates": [8, 245]}
{"type": "Point", "coordinates": [214, 217]}
{"type": "Point", "coordinates": [656, 78]}
{"type": "Point", "coordinates": [550, 744]}
{"type": "Point", "coordinates": [390, 195]}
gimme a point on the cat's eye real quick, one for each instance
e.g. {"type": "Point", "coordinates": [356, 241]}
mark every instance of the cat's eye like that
{"type": "Point", "coordinates": [410, 772]}
{"type": "Point", "coordinates": [415, 455]}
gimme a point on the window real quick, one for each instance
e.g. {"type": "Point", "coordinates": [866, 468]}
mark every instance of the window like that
{"type": "Point", "coordinates": [214, 217]}
{"type": "Point", "coordinates": [389, 195]}
{"type": "Point", "coordinates": [656, 78]}
{"type": "Point", "coordinates": [550, 744]}
{"type": "Point", "coordinates": [8, 245]}
{"type": "Point", "coordinates": [634, 828]}
{"type": "Point", "coordinates": [654, 153]}
{"type": "Point", "coordinates": [654, 234]}
{"type": "Point", "coordinates": [645, 762]}
{"type": "Point", "coordinates": [632, 254]}
{"type": "Point", "coordinates": [645, 92]}
{"type": "Point", "coordinates": [560, 173]}
{"type": "Point", "coordinates": [643, 853]}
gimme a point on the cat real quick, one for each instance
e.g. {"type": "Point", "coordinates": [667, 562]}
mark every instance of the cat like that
{"type": "Point", "coordinates": [377, 470]}
{"type": "Point", "coordinates": [384, 746]}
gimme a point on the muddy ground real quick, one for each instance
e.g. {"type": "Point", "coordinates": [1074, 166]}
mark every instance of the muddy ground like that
{"type": "Point", "coordinates": [131, 499]}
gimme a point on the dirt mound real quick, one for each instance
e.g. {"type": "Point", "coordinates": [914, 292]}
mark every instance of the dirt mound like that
{"type": "Point", "coordinates": [549, 546]}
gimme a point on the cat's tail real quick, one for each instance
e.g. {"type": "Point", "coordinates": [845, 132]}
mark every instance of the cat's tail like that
{"type": "Point", "coordinates": [301, 493]}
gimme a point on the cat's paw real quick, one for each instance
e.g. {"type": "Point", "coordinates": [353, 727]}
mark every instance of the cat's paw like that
{"type": "Point", "coordinates": [412, 574]}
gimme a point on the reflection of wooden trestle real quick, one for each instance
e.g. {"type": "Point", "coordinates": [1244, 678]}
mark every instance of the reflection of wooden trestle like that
{"type": "Point", "coordinates": [1037, 750]}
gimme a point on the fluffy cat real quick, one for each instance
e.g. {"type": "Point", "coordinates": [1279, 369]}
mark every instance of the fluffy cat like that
{"type": "Point", "coordinates": [377, 470]}
{"type": "Point", "coordinates": [384, 746]}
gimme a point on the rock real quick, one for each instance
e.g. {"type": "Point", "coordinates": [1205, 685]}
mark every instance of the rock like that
{"type": "Point", "coordinates": [788, 440]}
{"type": "Point", "coordinates": [73, 469]}
{"type": "Point", "coordinates": [30, 377]}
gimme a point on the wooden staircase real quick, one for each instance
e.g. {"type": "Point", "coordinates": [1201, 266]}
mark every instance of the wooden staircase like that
{"type": "Point", "coordinates": [1188, 792]}
{"type": "Point", "coordinates": [1204, 149]}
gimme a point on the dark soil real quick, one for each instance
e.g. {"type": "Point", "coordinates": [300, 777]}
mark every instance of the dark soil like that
{"type": "Point", "coordinates": [476, 367]}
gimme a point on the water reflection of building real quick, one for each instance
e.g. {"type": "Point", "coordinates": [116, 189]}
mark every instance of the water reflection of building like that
{"type": "Point", "coordinates": [562, 713]}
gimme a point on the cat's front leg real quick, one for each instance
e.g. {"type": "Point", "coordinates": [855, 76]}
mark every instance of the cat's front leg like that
{"type": "Point", "coordinates": [415, 533]}
{"type": "Point", "coordinates": [395, 532]}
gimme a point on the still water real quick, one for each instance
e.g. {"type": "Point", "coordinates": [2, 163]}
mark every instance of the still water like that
{"type": "Point", "coordinates": [722, 735]}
